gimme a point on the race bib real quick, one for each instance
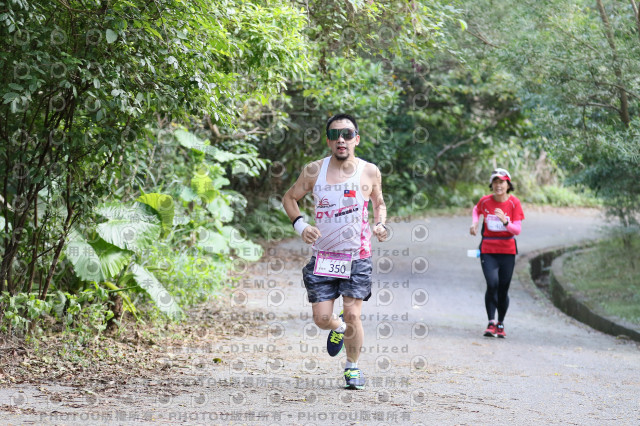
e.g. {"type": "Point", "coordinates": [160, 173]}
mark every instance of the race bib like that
{"type": "Point", "coordinates": [494, 224]}
{"type": "Point", "coordinates": [329, 264]}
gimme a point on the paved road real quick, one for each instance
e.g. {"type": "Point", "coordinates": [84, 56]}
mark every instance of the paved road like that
{"type": "Point", "coordinates": [550, 369]}
{"type": "Point", "coordinates": [425, 357]}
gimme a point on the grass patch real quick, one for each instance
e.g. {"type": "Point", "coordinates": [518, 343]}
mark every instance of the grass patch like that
{"type": "Point", "coordinates": [609, 277]}
{"type": "Point", "coordinates": [561, 196]}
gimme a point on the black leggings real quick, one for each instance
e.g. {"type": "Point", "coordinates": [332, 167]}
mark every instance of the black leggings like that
{"type": "Point", "coordinates": [498, 269]}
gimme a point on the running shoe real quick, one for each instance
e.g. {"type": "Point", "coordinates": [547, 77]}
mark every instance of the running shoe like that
{"type": "Point", "coordinates": [335, 341]}
{"type": "Point", "coordinates": [354, 378]}
{"type": "Point", "coordinates": [500, 331]}
{"type": "Point", "coordinates": [491, 330]}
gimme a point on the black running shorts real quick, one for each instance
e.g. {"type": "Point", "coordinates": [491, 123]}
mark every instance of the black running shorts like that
{"type": "Point", "coordinates": [320, 288]}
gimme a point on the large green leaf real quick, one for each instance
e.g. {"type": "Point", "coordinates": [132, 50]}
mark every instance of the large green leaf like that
{"type": "Point", "coordinates": [163, 205]}
{"type": "Point", "coordinates": [84, 258]}
{"type": "Point", "coordinates": [180, 220]}
{"type": "Point", "coordinates": [112, 259]}
{"type": "Point", "coordinates": [96, 260]}
{"type": "Point", "coordinates": [187, 194]}
{"type": "Point", "coordinates": [242, 247]}
{"type": "Point", "coordinates": [220, 209]}
{"type": "Point", "coordinates": [212, 241]}
{"type": "Point", "coordinates": [160, 296]}
{"type": "Point", "coordinates": [247, 250]}
{"type": "Point", "coordinates": [220, 181]}
{"type": "Point", "coordinates": [112, 36]}
{"type": "Point", "coordinates": [138, 212]}
{"type": "Point", "coordinates": [191, 141]}
{"type": "Point", "coordinates": [202, 185]}
{"type": "Point", "coordinates": [129, 235]}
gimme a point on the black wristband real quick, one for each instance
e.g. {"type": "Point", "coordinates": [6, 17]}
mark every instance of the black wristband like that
{"type": "Point", "coordinates": [295, 220]}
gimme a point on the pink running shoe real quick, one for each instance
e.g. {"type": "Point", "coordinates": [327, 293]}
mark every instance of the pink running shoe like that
{"type": "Point", "coordinates": [491, 330]}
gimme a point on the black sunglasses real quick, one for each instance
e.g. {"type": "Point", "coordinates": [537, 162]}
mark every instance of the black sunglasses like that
{"type": "Point", "coordinates": [334, 134]}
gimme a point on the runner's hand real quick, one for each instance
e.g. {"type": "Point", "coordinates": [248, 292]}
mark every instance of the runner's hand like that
{"type": "Point", "coordinates": [500, 214]}
{"type": "Point", "coordinates": [473, 230]}
{"type": "Point", "coordinates": [381, 232]}
{"type": "Point", "coordinates": [310, 234]}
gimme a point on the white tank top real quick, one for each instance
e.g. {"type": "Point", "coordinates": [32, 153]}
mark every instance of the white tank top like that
{"type": "Point", "coordinates": [342, 215]}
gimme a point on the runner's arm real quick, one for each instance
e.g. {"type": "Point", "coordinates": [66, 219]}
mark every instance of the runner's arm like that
{"type": "Point", "coordinates": [379, 206]}
{"type": "Point", "coordinates": [475, 218]}
{"type": "Point", "coordinates": [515, 227]}
{"type": "Point", "coordinates": [290, 199]}
{"type": "Point", "coordinates": [300, 188]}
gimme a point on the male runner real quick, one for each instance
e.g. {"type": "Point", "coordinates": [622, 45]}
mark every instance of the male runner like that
{"type": "Point", "coordinates": [342, 187]}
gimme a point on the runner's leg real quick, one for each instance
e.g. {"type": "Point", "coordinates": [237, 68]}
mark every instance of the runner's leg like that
{"type": "Point", "coordinates": [354, 335]}
{"type": "Point", "coordinates": [507, 264]}
{"type": "Point", "coordinates": [490, 267]}
{"type": "Point", "coordinates": [323, 315]}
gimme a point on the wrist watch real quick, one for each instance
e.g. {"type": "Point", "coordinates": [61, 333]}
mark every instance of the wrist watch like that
{"type": "Point", "coordinates": [505, 223]}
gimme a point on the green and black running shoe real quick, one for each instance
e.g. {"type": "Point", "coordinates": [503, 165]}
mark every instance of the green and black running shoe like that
{"type": "Point", "coordinates": [354, 378]}
{"type": "Point", "coordinates": [335, 341]}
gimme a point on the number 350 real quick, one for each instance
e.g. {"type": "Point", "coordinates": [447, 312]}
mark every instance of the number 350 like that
{"type": "Point", "coordinates": [338, 269]}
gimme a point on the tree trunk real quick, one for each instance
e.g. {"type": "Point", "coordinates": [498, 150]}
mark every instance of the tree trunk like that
{"type": "Point", "coordinates": [7, 262]}
{"type": "Point", "coordinates": [63, 238]}
{"type": "Point", "coordinates": [34, 241]}
{"type": "Point", "coordinates": [622, 94]}
{"type": "Point", "coordinates": [636, 15]}
{"type": "Point", "coordinates": [56, 257]}
{"type": "Point", "coordinates": [14, 243]}
{"type": "Point", "coordinates": [117, 310]}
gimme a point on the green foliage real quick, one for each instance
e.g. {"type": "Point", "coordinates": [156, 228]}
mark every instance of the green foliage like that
{"type": "Point", "coordinates": [128, 234]}
{"type": "Point", "coordinates": [562, 196]}
{"type": "Point", "coordinates": [139, 246]}
{"type": "Point", "coordinates": [162, 204]}
{"type": "Point", "coordinates": [428, 117]}
{"type": "Point", "coordinates": [193, 218]}
{"type": "Point", "coordinates": [462, 195]}
{"type": "Point", "coordinates": [19, 310]}
{"type": "Point", "coordinates": [190, 276]}
{"type": "Point", "coordinates": [84, 315]}
{"type": "Point", "coordinates": [96, 260]}
{"type": "Point", "coordinates": [574, 67]}
{"type": "Point", "coordinates": [269, 221]}
{"type": "Point", "coordinates": [158, 137]}
{"type": "Point", "coordinates": [80, 83]}
{"type": "Point", "coordinates": [115, 247]}
{"type": "Point", "coordinates": [156, 291]}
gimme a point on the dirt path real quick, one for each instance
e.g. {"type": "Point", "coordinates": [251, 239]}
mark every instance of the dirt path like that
{"type": "Point", "coordinates": [425, 358]}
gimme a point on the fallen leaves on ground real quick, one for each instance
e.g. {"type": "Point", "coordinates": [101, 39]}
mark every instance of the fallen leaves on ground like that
{"type": "Point", "coordinates": [135, 351]}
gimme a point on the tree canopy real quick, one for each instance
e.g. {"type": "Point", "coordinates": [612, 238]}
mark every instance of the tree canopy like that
{"type": "Point", "coordinates": [146, 143]}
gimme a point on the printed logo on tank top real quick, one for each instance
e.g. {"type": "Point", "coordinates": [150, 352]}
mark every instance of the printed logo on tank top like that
{"type": "Point", "coordinates": [324, 204]}
{"type": "Point", "coordinates": [349, 206]}
{"type": "Point", "coordinates": [337, 212]}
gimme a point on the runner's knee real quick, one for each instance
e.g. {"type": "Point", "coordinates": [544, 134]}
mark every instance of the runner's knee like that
{"type": "Point", "coordinates": [351, 317]}
{"type": "Point", "coordinates": [322, 321]}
